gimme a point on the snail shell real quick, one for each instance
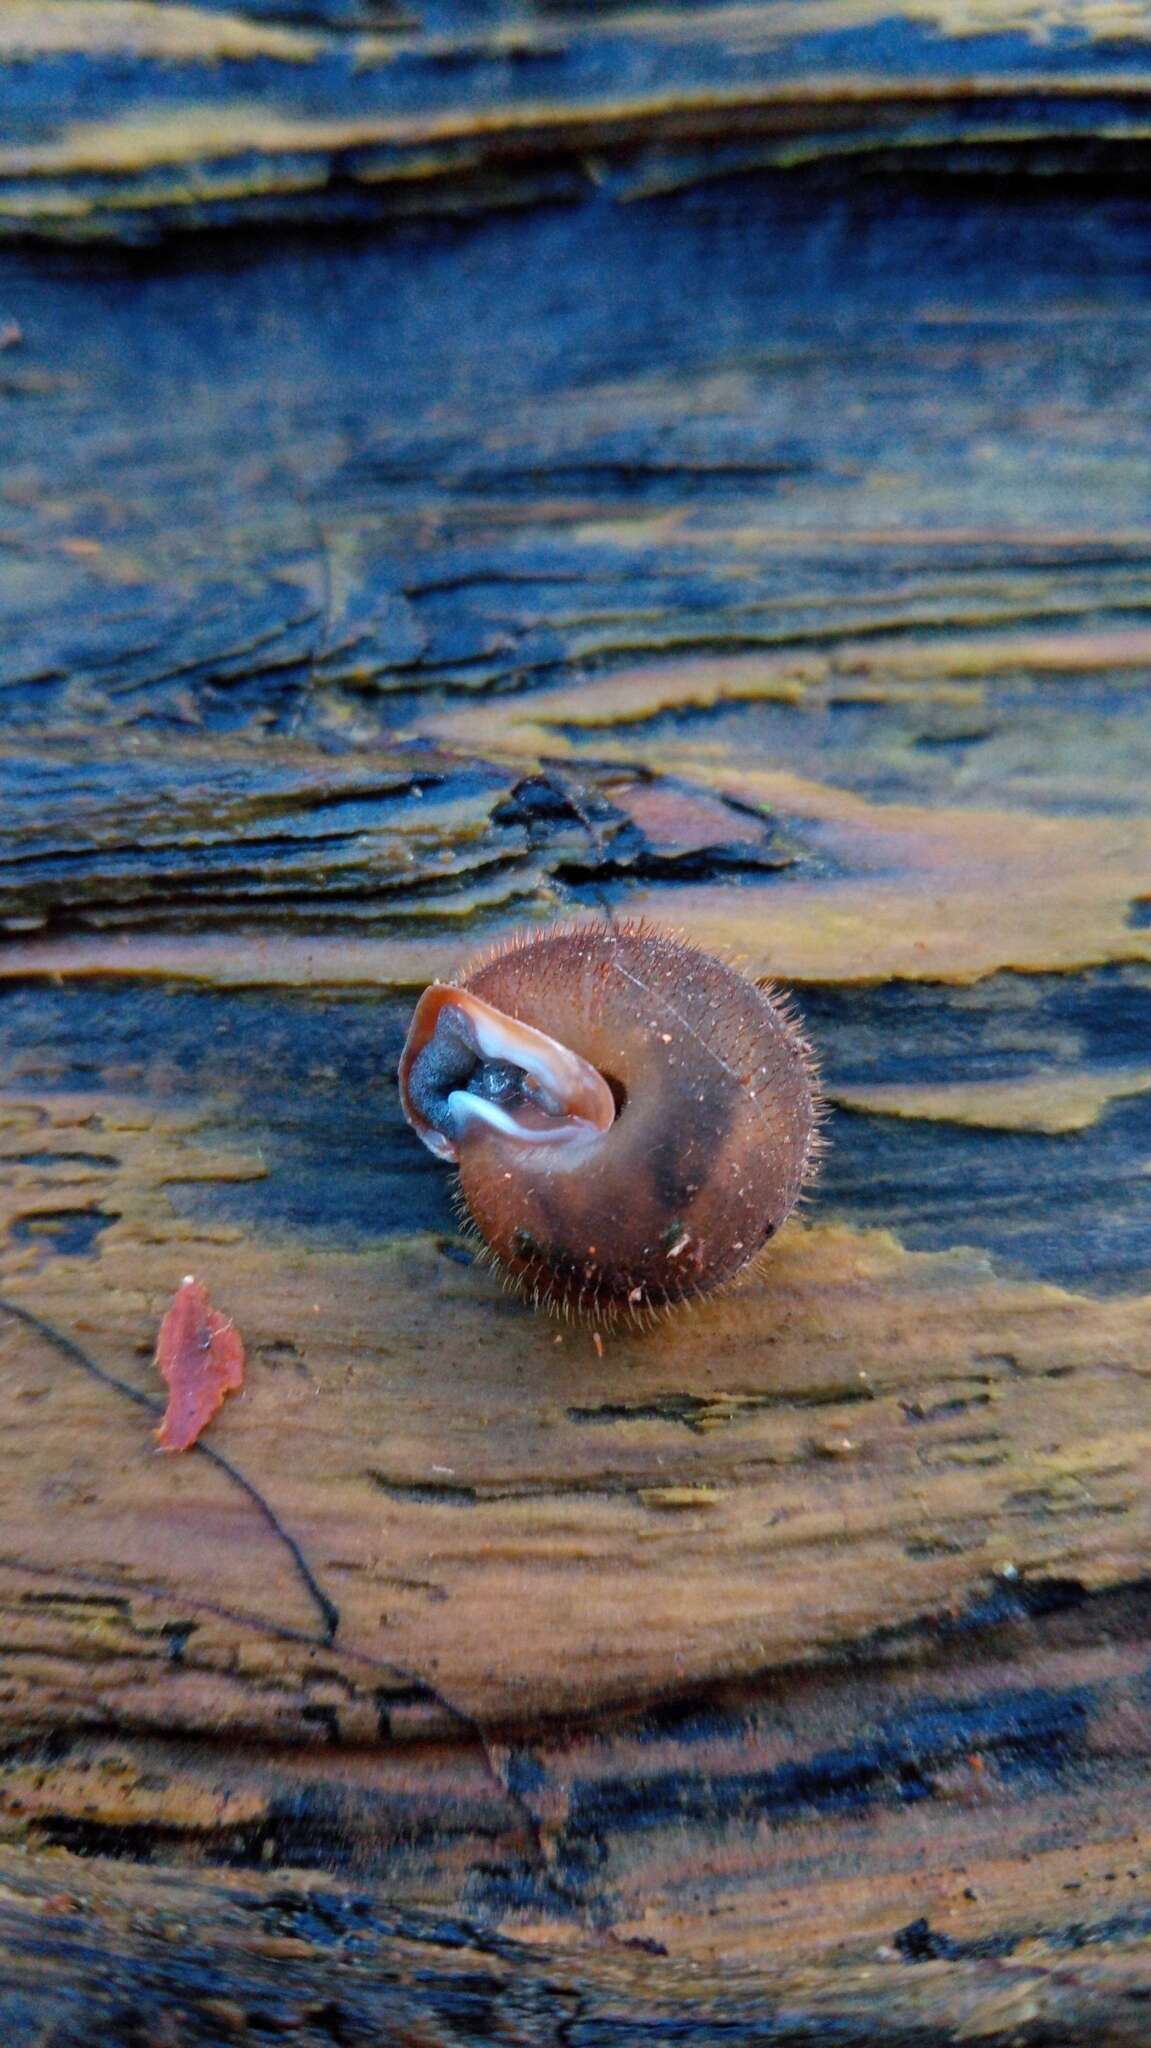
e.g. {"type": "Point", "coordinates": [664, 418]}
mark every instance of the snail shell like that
{"type": "Point", "coordinates": [632, 1119]}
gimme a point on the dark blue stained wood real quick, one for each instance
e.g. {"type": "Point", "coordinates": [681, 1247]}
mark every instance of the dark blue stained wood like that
{"type": "Point", "coordinates": [280, 514]}
{"type": "Point", "coordinates": [133, 122]}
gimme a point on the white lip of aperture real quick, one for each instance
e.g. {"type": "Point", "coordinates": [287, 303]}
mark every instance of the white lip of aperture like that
{"type": "Point", "coordinates": [560, 1075]}
{"type": "Point", "coordinates": [557, 1130]}
{"type": "Point", "coordinates": [565, 1098]}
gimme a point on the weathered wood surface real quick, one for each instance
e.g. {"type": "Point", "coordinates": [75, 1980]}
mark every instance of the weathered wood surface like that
{"type": "Point", "coordinates": [783, 1674]}
{"type": "Point", "coordinates": [131, 119]}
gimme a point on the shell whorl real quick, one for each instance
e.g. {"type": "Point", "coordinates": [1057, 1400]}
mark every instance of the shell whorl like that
{"type": "Point", "coordinates": [615, 1201]}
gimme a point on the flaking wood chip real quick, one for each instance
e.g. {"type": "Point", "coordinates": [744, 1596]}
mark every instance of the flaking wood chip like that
{"type": "Point", "coordinates": [200, 1354]}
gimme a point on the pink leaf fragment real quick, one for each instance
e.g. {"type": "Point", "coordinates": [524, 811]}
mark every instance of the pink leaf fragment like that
{"type": "Point", "coordinates": [201, 1355]}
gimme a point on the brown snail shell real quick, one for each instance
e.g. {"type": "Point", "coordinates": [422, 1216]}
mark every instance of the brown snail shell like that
{"type": "Point", "coordinates": [632, 1119]}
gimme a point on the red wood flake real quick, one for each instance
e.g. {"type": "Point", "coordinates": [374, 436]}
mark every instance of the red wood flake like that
{"type": "Point", "coordinates": [201, 1355]}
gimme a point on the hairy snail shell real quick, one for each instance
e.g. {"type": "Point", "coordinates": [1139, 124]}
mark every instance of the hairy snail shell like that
{"type": "Point", "coordinates": [632, 1119]}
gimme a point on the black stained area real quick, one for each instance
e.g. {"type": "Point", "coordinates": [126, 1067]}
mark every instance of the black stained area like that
{"type": "Point", "coordinates": [1024, 738]}
{"type": "Point", "coordinates": [866, 1737]}
{"type": "Point", "coordinates": [696, 1412]}
{"type": "Point", "coordinates": [92, 844]}
{"type": "Point", "coordinates": [89, 841]}
{"type": "Point", "coordinates": [924, 395]}
{"type": "Point", "coordinates": [1073, 1208]}
{"type": "Point", "coordinates": [1027, 1735]}
{"type": "Point", "coordinates": [63, 1232]}
{"type": "Point", "coordinates": [309, 1081]}
{"type": "Point", "coordinates": [1029, 1738]}
{"type": "Point", "coordinates": [816, 362]}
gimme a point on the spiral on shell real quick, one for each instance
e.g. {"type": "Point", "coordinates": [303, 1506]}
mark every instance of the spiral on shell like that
{"type": "Point", "coordinates": [632, 1118]}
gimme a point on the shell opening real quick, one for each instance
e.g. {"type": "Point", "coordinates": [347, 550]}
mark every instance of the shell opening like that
{"type": "Point", "coordinates": [467, 1067]}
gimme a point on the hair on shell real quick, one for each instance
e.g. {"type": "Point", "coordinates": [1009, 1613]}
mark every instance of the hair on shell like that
{"type": "Point", "coordinates": [716, 1137]}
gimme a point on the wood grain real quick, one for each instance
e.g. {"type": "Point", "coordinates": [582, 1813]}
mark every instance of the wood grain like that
{"type": "Point", "coordinates": [168, 118]}
{"type": "Point", "coordinates": [770, 558]}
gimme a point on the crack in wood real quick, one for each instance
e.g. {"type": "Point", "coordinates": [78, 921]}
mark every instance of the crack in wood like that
{"type": "Point", "coordinates": [68, 1348]}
